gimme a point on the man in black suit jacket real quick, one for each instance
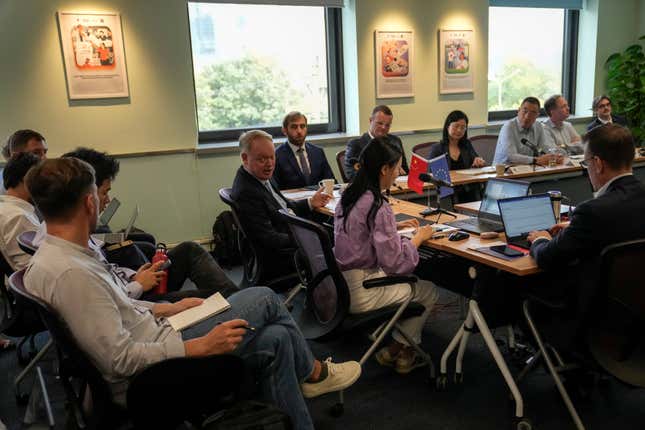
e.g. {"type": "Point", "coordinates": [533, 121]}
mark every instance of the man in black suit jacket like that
{"type": "Point", "coordinates": [614, 215]}
{"type": "Point", "coordinates": [601, 108]}
{"type": "Point", "coordinates": [299, 163]}
{"type": "Point", "coordinates": [259, 201]}
{"type": "Point", "coordinates": [380, 122]}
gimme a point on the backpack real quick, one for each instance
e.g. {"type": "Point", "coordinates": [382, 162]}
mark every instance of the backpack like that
{"type": "Point", "coordinates": [249, 415]}
{"type": "Point", "coordinates": [226, 239]}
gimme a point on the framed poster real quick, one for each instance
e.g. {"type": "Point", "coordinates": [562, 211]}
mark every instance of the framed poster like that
{"type": "Point", "coordinates": [455, 61]}
{"type": "Point", "coordinates": [93, 54]}
{"type": "Point", "coordinates": [393, 51]}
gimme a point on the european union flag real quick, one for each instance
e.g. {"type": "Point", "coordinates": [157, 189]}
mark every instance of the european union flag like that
{"type": "Point", "coordinates": [438, 167]}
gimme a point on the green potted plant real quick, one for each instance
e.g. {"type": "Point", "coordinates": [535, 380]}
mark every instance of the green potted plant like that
{"type": "Point", "coordinates": [626, 83]}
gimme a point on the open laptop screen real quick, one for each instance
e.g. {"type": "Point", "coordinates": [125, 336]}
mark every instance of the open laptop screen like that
{"type": "Point", "coordinates": [109, 211]}
{"type": "Point", "coordinates": [521, 215]}
{"type": "Point", "coordinates": [497, 189]}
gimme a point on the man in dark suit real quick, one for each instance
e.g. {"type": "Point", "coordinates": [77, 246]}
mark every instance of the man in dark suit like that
{"type": "Point", "coordinates": [601, 108]}
{"type": "Point", "coordinates": [259, 200]}
{"type": "Point", "coordinates": [614, 215]}
{"type": "Point", "coordinates": [298, 163]}
{"type": "Point", "coordinates": [380, 122]}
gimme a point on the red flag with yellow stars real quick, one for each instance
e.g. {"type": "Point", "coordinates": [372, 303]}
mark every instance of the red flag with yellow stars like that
{"type": "Point", "coordinates": [417, 165]}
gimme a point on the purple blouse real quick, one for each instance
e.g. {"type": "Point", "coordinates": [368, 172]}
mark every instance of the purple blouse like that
{"type": "Point", "coordinates": [382, 247]}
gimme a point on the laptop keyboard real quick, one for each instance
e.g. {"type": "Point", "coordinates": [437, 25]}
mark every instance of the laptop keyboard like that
{"type": "Point", "coordinates": [522, 243]}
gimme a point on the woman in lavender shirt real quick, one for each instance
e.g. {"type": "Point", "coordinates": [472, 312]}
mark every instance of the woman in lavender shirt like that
{"type": "Point", "coordinates": [369, 246]}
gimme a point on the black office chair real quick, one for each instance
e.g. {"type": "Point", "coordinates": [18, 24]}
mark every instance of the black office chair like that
{"type": "Point", "coordinates": [23, 322]}
{"type": "Point", "coordinates": [26, 242]}
{"type": "Point", "coordinates": [326, 310]}
{"type": "Point", "coordinates": [612, 327]}
{"type": "Point", "coordinates": [254, 268]}
{"type": "Point", "coordinates": [485, 145]}
{"type": "Point", "coordinates": [162, 396]}
{"type": "Point", "coordinates": [423, 149]}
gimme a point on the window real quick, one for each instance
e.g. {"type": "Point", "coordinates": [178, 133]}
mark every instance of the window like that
{"type": "Point", "coordinates": [531, 52]}
{"type": "Point", "coordinates": [253, 64]}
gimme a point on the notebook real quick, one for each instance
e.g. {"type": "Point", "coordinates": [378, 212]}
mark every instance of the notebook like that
{"type": "Point", "coordinates": [522, 215]}
{"type": "Point", "coordinates": [488, 218]}
{"type": "Point", "coordinates": [213, 305]}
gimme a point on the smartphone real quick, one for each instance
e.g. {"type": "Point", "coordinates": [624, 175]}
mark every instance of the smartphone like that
{"type": "Point", "coordinates": [507, 250]}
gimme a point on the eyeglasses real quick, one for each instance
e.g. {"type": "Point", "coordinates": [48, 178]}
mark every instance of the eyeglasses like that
{"type": "Point", "coordinates": [604, 105]}
{"type": "Point", "coordinates": [458, 126]}
{"type": "Point", "coordinates": [585, 163]}
{"type": "Point", "coordinates": [528, 112]}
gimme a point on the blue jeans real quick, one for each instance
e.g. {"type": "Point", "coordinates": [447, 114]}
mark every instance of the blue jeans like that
{"type": "Point", "coordinates": [277, 352]}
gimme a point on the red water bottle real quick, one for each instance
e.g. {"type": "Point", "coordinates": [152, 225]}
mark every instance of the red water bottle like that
{"type": "Point", "coordinates": [160, 255]}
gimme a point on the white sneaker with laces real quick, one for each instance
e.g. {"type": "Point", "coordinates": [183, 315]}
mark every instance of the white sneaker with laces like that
{"type": "Point", "coordinates": [339, 377]}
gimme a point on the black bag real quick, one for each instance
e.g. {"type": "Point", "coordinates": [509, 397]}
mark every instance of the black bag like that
{"type": "Point", "coordinates": [225, 236]}
{"type": "Point", "coordinates": [249, 415]}
{"type": "Point", "coordinates": [126, 254]}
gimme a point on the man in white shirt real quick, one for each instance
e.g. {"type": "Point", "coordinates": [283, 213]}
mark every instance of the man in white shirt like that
{"type": "Point", "coordinates": [561, 132]}
{"type": "Point", "coordinates": [17, 214]}
{"type": "Point", "coordinates": [123, 336]}
{"type": "Point", "coordinates": [521, 140]}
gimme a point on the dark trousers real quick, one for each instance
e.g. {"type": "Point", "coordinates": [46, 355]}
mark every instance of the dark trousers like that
{"type": "Point", "coordinates": [191, 261]}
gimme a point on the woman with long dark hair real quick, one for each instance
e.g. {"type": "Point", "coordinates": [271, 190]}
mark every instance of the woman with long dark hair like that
{"type": "Point", "coordinates": [369, 246]}
{"type": "Point", "coordinates": [459, 151]}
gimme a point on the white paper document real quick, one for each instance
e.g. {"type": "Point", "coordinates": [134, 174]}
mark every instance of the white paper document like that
{"type": "Point", "coordinates": [213, 305]}
{"type": "Point", "coordinates": [479, 171]}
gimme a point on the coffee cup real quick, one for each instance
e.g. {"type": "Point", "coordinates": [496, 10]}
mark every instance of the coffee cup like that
{"type": "Point", "coordinates": [328, 185]}
{"type": "Point", "coordinates": [500, 169]}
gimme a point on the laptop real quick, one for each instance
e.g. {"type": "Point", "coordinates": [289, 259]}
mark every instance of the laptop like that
{"type": "Point", "coordinates": [488, 218]}
{"type": "Point", "coordinates": [119, 237]}
{"type": "Point", "coordinates": [522, 215]}
{"type": "Point", "coordinates": [109, 211]}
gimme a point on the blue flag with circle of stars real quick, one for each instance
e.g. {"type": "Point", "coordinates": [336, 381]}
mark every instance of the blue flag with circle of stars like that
{"type": "Point", "coordinates": [438, 167]}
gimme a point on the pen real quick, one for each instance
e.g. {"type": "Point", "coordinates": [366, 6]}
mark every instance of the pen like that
{"type": "Point", "coordinates": [245, 327]}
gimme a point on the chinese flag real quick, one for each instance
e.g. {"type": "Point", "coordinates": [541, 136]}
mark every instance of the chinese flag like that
{"type": "Point", "coordinates": [417, 165]}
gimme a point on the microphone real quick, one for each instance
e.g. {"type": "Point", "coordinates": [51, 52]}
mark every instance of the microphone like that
{"type": "Point", "coordinates": [425, 177]}
{"type": "Point", "coordinates": [531, 146]}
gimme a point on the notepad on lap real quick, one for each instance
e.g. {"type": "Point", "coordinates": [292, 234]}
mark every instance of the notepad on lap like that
{"type": "Point", "coordinates": [213, 305]}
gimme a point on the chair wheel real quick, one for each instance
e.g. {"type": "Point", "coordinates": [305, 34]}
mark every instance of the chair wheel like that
{"type": "Point", "coordinates": [459, 378]}
{"type": "Point", "coordinates": [21, 399]}
{"type": "Point", "coordinates": [337, 410]}
{"type": "Point", "coordinates": [522, 424]}
{"type": "Point", "coordinates": [442, 382]}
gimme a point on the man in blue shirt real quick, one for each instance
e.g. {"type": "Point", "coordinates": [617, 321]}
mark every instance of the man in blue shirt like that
{"type": "Point", "coordinates": [522, 140]}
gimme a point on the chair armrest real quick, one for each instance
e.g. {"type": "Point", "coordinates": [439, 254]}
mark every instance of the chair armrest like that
{"type": "Point", "coordinates": [389, 280]}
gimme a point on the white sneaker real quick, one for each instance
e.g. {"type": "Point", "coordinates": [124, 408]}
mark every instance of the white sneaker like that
{"type": "Point", "coordinates": [339, 377]}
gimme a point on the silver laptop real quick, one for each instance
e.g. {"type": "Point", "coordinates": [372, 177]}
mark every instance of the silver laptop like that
{"type": "Point", "coordinates": [119, 237]}
{"type": "Point", "coordinates": [488, 218]}
{"type": "Point", "coordinates": [522, 215]}
{"type": "Point", "coordinates": [109, 211]}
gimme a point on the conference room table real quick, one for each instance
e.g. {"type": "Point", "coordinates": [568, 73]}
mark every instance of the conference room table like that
{"type": "Point", "coordinates": [568, 178]}
{"type": "Point", "coordinates": [521, 266]}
